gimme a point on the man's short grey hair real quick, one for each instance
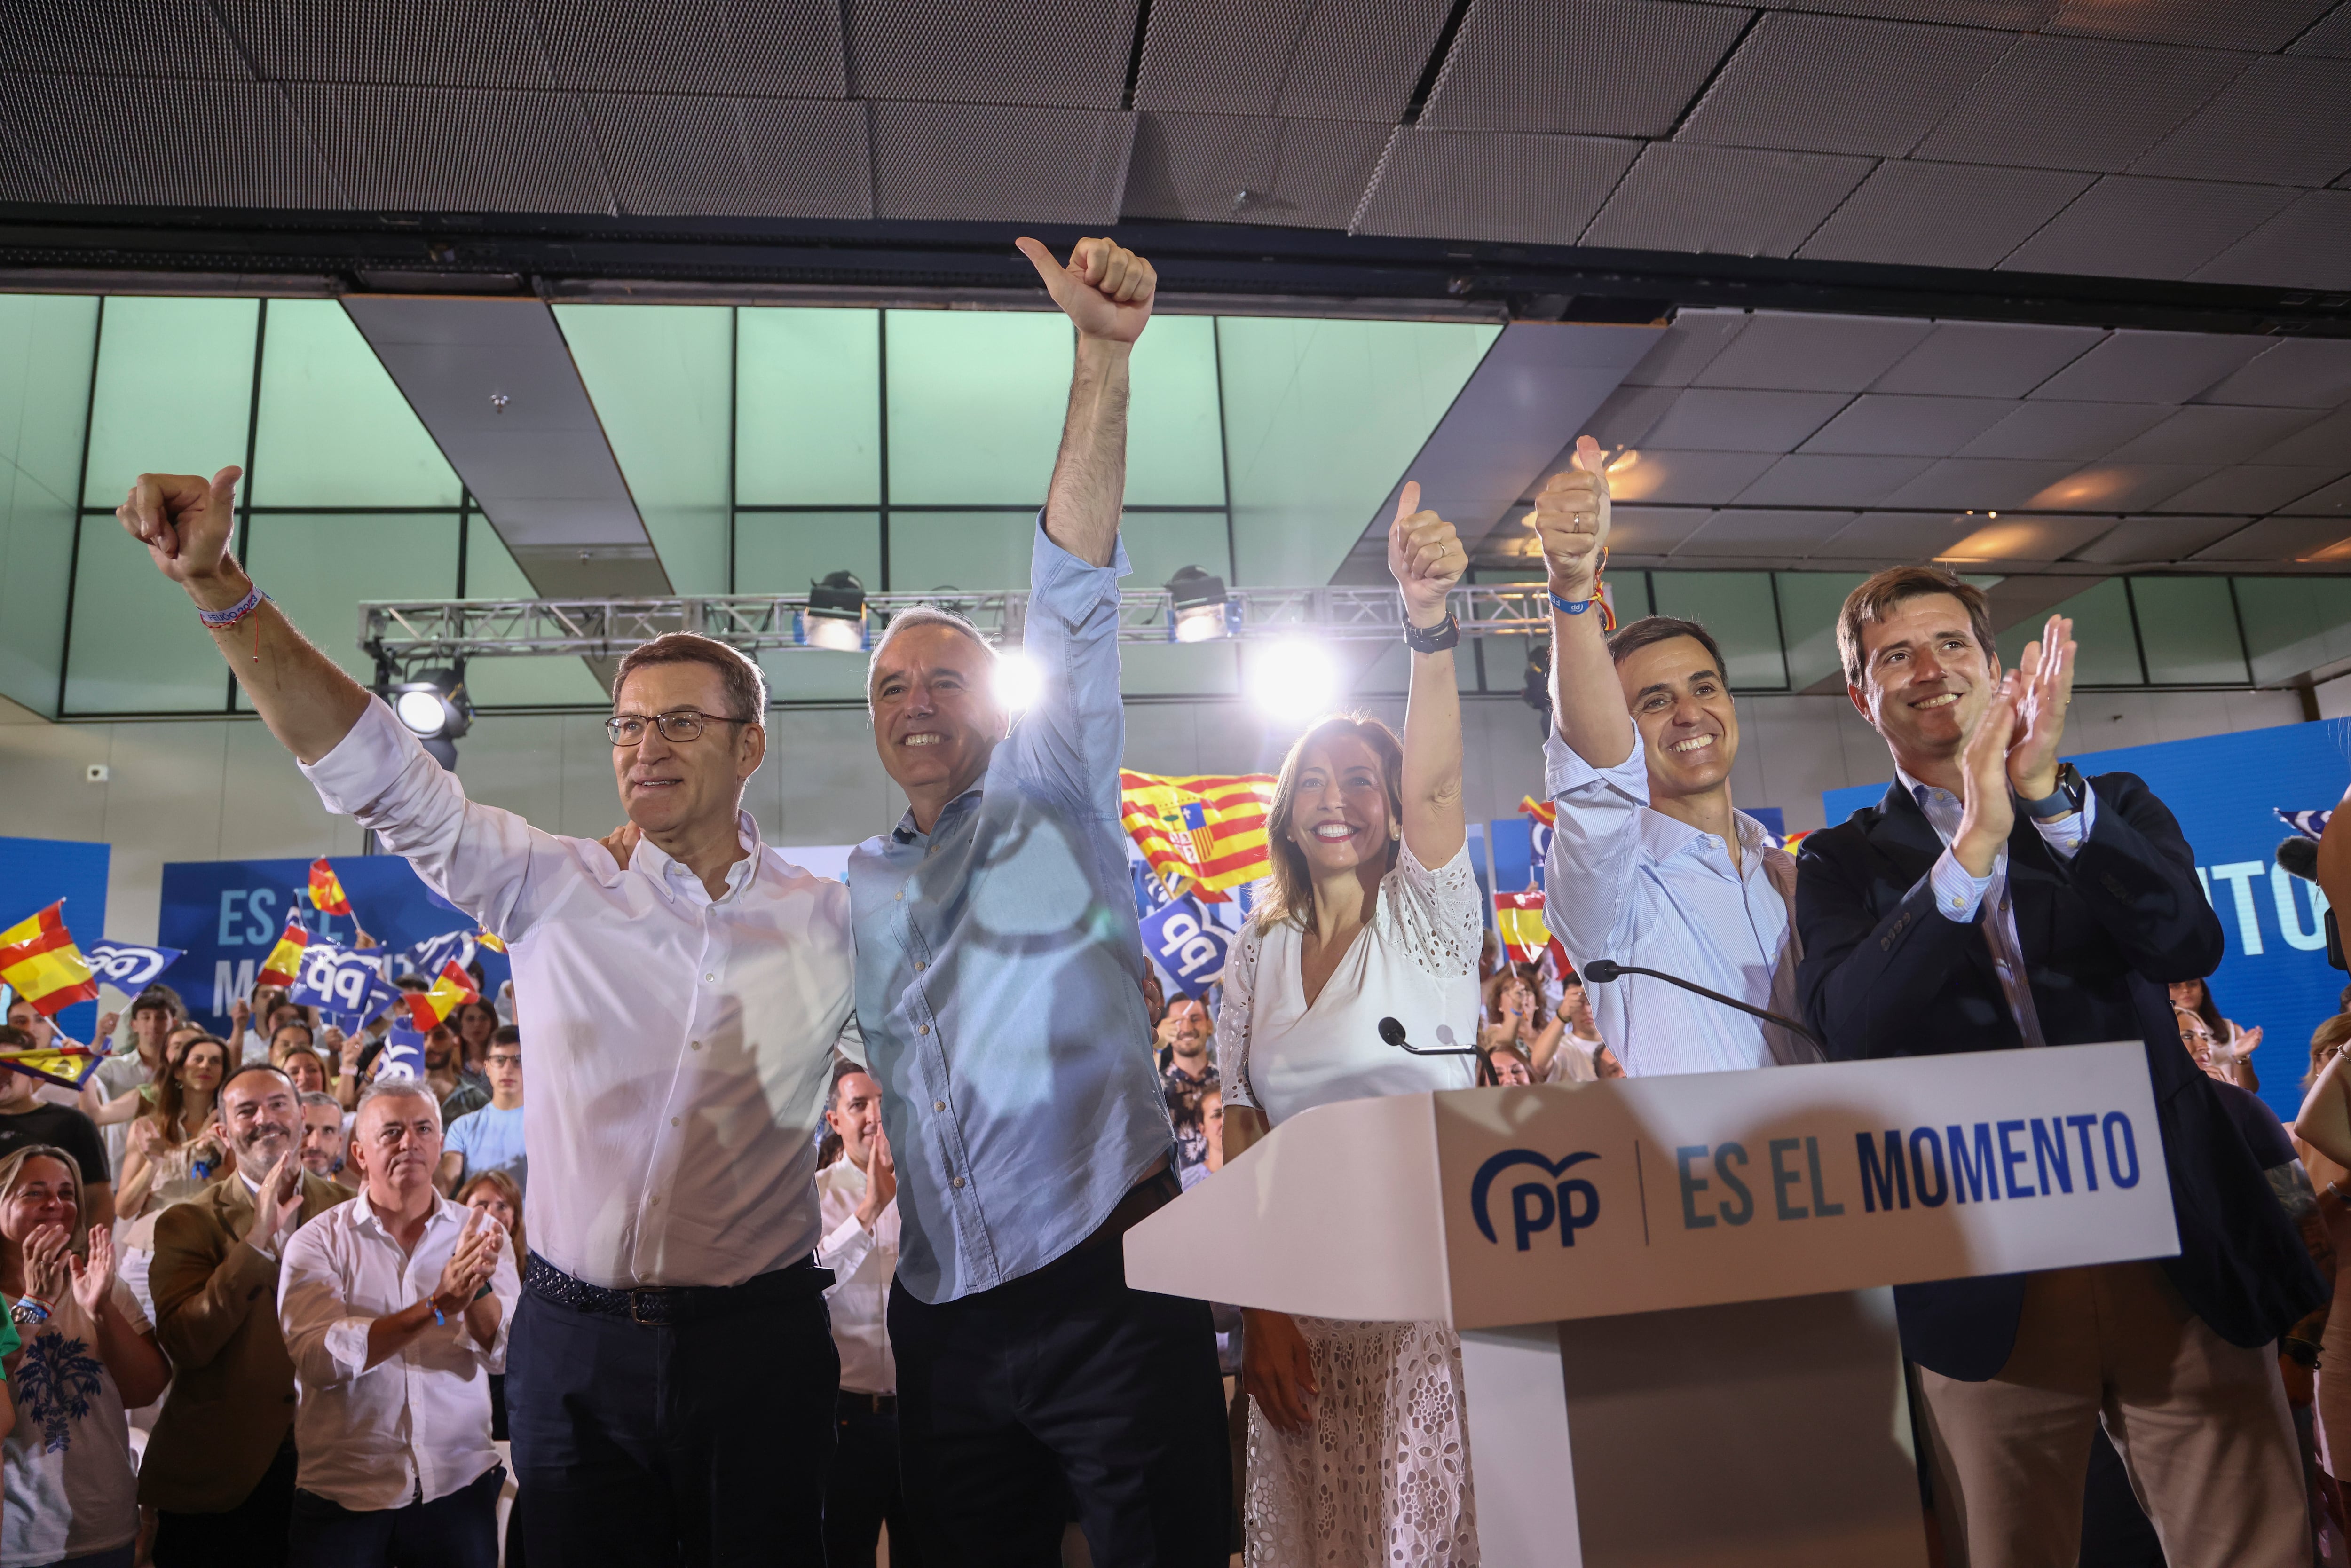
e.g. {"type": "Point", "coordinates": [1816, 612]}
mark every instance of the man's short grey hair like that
{"type": "Point", "coordinates": [386, 1088]}
{"type": "Point", "coordinates": [921, 615]}
{"type": "Point", "coordinates": [328, 1100]}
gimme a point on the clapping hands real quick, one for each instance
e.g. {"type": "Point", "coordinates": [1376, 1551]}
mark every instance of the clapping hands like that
{"type": "Point", "coordinates": [471, 1265]}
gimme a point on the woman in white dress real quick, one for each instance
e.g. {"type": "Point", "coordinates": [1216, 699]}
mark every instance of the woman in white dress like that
{"type": "Point", "coordinates": [1358, 1454]}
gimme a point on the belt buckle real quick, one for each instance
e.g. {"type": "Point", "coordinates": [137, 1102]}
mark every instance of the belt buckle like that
{"type": "Point", "coordinates": [655, 1298]}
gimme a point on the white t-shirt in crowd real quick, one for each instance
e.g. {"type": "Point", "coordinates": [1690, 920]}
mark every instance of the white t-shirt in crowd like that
{"type": "Point", "coordinates": [863, 1265]}
{"type": "Point", "coordinates": [70, 1488]}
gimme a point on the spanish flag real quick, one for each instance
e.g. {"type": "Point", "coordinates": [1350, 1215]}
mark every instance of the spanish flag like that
{"type": "Point", "coordinates": [283, 964]}
{"type": "Point", "coordinates": [39, 961]}
{"type": "Point", "coordinates": [1207, 831]}
{"type": "Point", "coordinates": [1519, 922]}
{"type": "Point", "coordinates": [1543, 812]}
{"type": "Point", "coordinates": [430, 1009]}
{"type": "Point", "coordinates": [68, 1069]}
{"type": "Point", "coordinates": [484, 938]}
{"type": "Point", "coordinates": [326, 890]}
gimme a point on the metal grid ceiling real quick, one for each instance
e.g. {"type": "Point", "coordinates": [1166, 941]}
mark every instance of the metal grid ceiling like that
{"type": "Point", "coordinates": [1727, 200]}
{"type": "Point", "coordinates": [1292, 58]}
{"type": "Point", "coordinates": [2128, 228]}
{"type": "Point", "coordinates": [1217, 168]}
{"type": "Point", "coordinates": [1435, 182]}
{"type": "Point", "coordinates": [1890, 83]}
{"type": "Point", "coordinates": [1063, 54]}
{"type": "Point", "coordinates": [1544, 65]}
{"type": "Point", "coordinates": [949, 162]}
{"type": "Point", "coordinates": [1943, 215]}
{"type": "Point", "coordinates": [713, 156]}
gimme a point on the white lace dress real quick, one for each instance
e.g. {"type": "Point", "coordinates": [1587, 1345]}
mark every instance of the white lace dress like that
{"type": "Point", "coordinates": [1383, 1478]}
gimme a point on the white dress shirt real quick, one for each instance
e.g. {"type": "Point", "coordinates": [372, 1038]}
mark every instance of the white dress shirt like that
{"type": "Point", "coordinates": [863, 1263]}
{"type": "Point", "coordinates": [416, 1426]}
{"type": "Point", "coordinates": [680, 1045]}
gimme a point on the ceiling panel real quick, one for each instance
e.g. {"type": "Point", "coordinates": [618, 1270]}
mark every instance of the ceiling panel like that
{"type": "Point", "coordinates": [1053, 53]}
{"type": "Point", "coordinates": [781, 49]}
{"type": "Point", "coordinates": [1820, 480]}
{"type": "Point", "coordinates": [1553, 65]}
{"type": "Point", "coordinates": [2128, 228]}
{"type": "Point", "coordinates": [2252, 487]}
{"type": "Point", "coordinates": [1942, 215]}
{"type": "Point", "coordinates": [1894, 424]}
{"type": "Point", "coordinates": [1890, 83]}
{"type": "Point", "coordinates": [1492, 185]}
{"type": "Point", "coordinates": [1957, 484]}
{"type": "Point", "coordinates": [2204, 433]}
{"type": "Point", "coordinates": [776, 157]}
{"type": "Point", "coordinates": [2150, 540]}
{"type": "Point", "coordinates": [2260, 24]}
{"type": "Point", "coordinates": [2009, 15]}
{"type": "Point", "coordinates": [2327, 442]}
{"type": "Point", "coordinates": [1727, 420]}
{"type": "Point", "coordinates": [2049, 428]}
{"type": "Point", "coordinates": [2285, 122]}
{"type": "Point", "coordinates": [457, 149]}
{"type": "Point", "coordinates": [1988, 359]}
{"type": "Point", "coordinates": [2078, 103]}
{"type": "Point", "coordinates": [2278, 540]}
{"type": "Point", "coordinates": [2333, 501]}
{"type": "Point", "coordinates": [2308, 245]}
{"type": "Point", "coordinates": [1764, 533]}
{"type": "Point", "coordinates": [2331, 36]}
{"type": "Point", "coordinates": [1781, 349]}
{"type": "Point", "coordinates": [22, 178]}
{"type": "Point", "coordinates": [1651, 530]}
{"type": "Point", "coordinates": [2138, 366]}
{"type": "Point", "coordinates": [1221, 168]}
{"type": "Point", "coordinates": [2300, 373]}
{"type": "Point", "coordinates": [423, 43]}
{"type": "Point", "coordinates": [172, 39]}
{"type": "Point", "coordinates": [1896, 535]}
{"type": "Point", "coordinates": [2118, 487]}
{"type": "Point", "coordinates": [954, 162]}
{"type": "Point", "coordinates": [1689, 479]}
{"type": "Point", "coordinates": [1628, 415]}
{"type": "Point", "coordinates": [1724, 200]}
{"type": "Point", "coordinates": [1686, 347]}
{"type": "Point", "coordinates": [2025, 538]}
{"type": "Point", "coordinates": [168, 143]}
{"type": "Point", "coordinates": [1289, 58]}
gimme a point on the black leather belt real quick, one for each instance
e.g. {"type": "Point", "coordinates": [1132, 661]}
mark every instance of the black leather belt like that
{"type": "Point", "coordinates": [666, 1306]}
{"type": "Point", "coordinates": [869, 1404]}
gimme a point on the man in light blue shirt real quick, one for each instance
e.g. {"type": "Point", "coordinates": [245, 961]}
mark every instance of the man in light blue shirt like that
{"type": "Point", "coordinates": [999, 993]}
{"type": "Point", "coordinates": [490, 1139]}
{"type": "Point", "coordinates": [1650, 863]}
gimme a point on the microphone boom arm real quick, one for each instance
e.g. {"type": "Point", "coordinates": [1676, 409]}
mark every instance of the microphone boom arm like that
{"type": "Point", "coordinates": [1607, 969]}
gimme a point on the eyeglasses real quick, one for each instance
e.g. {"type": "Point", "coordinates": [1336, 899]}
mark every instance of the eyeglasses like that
{"type": "Point", "coordinates": [676, 727]}
{"type": "Point", "coordinates": [496, 1059]}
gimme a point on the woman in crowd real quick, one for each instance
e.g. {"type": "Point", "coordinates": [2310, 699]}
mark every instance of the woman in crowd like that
{"type": "Point", "coordinates": [2322, 1135]}
{"type": "Point", "coordinates": [495, 1195]}
{"type": "Point", "coordinates": [308, 1073]}
{"type": "Point", "coordinates": [1357, 1447]}
{"type": "Point", "coordinates": [170, 1156]}
{"type": "Point", "coordinates": [475, 1023]}
{"type": "Point", "coordinates": [1505, 1066]}
{"type": "Point", "coordinates": [88, 1356]}
{"type": "Point", "coordinates": [2232, 1048]}
{"type": "Point", "coordinates": [1520, 1024]}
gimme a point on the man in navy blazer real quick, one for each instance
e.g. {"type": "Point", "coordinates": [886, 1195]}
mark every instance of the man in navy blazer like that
{"type": "Point", "coordinates": [1995, 900]}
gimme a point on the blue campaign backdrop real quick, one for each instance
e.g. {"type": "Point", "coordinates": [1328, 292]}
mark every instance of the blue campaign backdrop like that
{"type": "Point", "coordinates": [228, 914]}
{"type": "Point", "coordinates": [36, 874]}
{"type": "Point", "coordinates": [2226, 790]}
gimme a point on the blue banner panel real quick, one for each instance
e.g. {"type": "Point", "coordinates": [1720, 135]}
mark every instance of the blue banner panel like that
{"type": "Point", "coordinates": [2226, 790]}
{"type": "Point", "coordinates": [36, 874]}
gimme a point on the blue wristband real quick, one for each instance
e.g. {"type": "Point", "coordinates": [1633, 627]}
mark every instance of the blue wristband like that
{"type": "Point", "coordinates": [222, 619]}
{"type": "Point", "coordinates": [1576, 607]}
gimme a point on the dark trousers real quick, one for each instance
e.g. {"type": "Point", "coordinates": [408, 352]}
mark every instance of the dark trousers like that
{"type": "Point", "coordinates": [1062, 1383]}
{"type": "Point", "coordinates": [460, 1531]}
{"type": "Point", "coordinates": [866, 1491]}
{"type": "Point", "coordinates": [704, 1443]}
{"type": "Point", "coordinates": [250, 1535]}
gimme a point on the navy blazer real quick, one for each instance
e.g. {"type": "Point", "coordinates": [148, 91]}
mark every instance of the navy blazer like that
{"type": "Point", "coordinates": [1884, 974]}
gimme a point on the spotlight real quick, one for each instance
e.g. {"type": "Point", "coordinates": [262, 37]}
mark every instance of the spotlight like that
{"type": "Point", "coordinates": [835, 617]}
{"type": "Point", "coordinates": [1292, 679]}
{"type": "Point", "coordinates": [435, 708]}
{"type": "Point", "coordinates": [1017, 681]}
{"type": "Point", "coordinates": [1198, 609]}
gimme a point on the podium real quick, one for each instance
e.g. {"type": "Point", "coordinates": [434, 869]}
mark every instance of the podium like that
{"type": "Point", "coordinates": [1678, 1339]}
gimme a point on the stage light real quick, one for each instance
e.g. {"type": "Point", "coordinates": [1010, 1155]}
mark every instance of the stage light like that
{"type": "Point", "coordinates": [436, 710]}
{"type": "Point", "coordinates": [1199, 608]}
{"type": "Point", "coordinates": [835, 617]}
{"type": "Point", "coordinates": [1292, 679]}
{"type": "Point", "coordinates": [1017, 681]}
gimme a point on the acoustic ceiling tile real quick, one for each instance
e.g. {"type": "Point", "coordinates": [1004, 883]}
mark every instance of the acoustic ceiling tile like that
{"type": "Point", "coordinates": [1764, 533]}
{"type": "Point", "coordinates": [1820, 480]}
{"type": "Point", "coordinates": [2333, 501]}
{"type": "Point", "coordinates": [1709, 419]}
{"type": "Point", "coordinates": [2048, 428]}
{"type": "Point", "coordinates": [1222, 168]}
{"type": "Point", "coordinates": [1287, 57]}
{"type": "Point", "coordinates": [2327, 442]}
{"type": "Point", "coordinates": [1684, 348]}
{"type": "Point", "coordinates": [1988, 359]}
{"type": "Point", "coordinates": [2026, 538]}
{"type": "Point", "coordinates": [2330, 38]}
{"type": "Point", "coordinates": [22, 178]}
{"type": "Point", "coordinates": [954, 162]}
{"type": "Point", "coordinates": [2128, 228]}
{"type": "Point", "coordinates": [1689, 479]}
{"type": "Point", "coordinates": [1723, 201]}
{"type": "Point", "coordinates": [1628, 416]}
{"type": "Point", "coordinates": [2118, 487]}
{"type": "Point", "coordinates": [1561, 65]}
{"type": "Point", "coordinates": [2300, 373]}
{"type": "Point", "coordinates": [176, 143]}
{"type": "Point", "coordinates": [2135, 365]}
{"type": "Point", "coordinates": [772, 157]}
{"type": "Point", "coordinates": [1891, 83]}
{"type": "Point", "coordinates": [2250, 488]}
{"type": "Point", "coordinates": [1942, 215]}
{"type": "Point", "coordinates": [456, 149]}
{"type": "Point", "coordinates": [767, 49]}
{"type": "Point", "coordinates": [1786, 350]}
{"type": "Point", "coordinates": [1652, 530]}
{"type": "Point", "coordinates": [2287, 121]}
{"type": "Point", "coordinates": [1493, 185]}
{"type": "Point", "coordinates": [2308, 245]}
{"type": "Point", "coordinates": [2008, 15]}
{"type": "Point", "coordinates": [1062, 54]}
{"type": "Point", "coordinates": [177, 39]}
{"type": "Point", "coordinates": [1896, 535]}
{"type": "Point", "coordinates": [2208, 432]}
{"type": "Point", "coordinates": [1983, 483]}
{"type": "Point", "coordinates": [2258, 25]}
{"type": "Point", "coordinates": [2272, 539]}
{"type": "Point", "coordinates": [415, 43]}
{"type": "Point", "coordinates": [2155, 540]}
{"type": "Point", "coordinates": [2078, 103]}
{"type": "Point", "coordinates": [1898, 426]}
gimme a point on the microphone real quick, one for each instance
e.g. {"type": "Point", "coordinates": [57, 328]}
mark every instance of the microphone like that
{"type": "Point", "coordinates": [1607, 969]}
{"type": "Point", "coordinates": [2298, 856]}
{"type": "Point", "coordinates": [1392, 1032]}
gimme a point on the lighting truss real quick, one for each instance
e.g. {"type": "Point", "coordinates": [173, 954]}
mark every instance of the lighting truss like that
{"type": "Point", "coordinates": [402, 635]}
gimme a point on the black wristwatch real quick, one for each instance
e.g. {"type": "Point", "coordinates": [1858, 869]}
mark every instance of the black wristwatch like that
{"type": "Point", "coordinates": [1446, 635]}
{"type": "Point", "coordinates": [2073, 791]}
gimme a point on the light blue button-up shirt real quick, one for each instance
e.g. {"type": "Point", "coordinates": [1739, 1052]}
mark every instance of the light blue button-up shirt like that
{"type": "Point", "coordinates": [1000, 974]}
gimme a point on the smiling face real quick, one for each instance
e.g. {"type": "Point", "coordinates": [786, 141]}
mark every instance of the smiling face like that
{"type": "Point", "coordinates": [1509, 1068]}
{"type": "Point", "coordinates": [669, 787]}
{"type": "Point", "coordinates": [1186, 1027]}
{"type": "Point", "coordinates": [204, 1067]}
{"type": "Point", "coordinates": [1681, 705]}
{"type": "Point", "coordinates": [24, 1015]}
{"type": "Point", "coordinates": [936, 716]}
{"type": "Point", "coordinates": [262, 1117]}
{"type": "Point", "coordinates": [1924, 679]}
{"type": "Point", "coordinates": [322, 1139]}
{"type": "Point", "coordinates": [308, 1073]}
{"type": "Point", "coordinates": [1340, 815]}
{"type": "Point", "coordinates": [44, 1194]}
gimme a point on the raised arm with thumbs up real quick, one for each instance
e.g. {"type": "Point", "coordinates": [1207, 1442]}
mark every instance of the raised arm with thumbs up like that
{"type": "Point", "coordinates": [1588, 706]}
{"type": "Point", "coordinates": [1106, 292]}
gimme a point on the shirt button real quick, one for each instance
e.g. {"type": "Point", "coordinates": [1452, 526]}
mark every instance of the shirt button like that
{"type": "Point", "coordinates": [957, 1181]}
{"type": "Point", "coordinates": [922, 1028]}
{"type": "Point", "coordinates": [713, 979]}
{"type": "Point", "coordinates": [698, 1045]}
{"type": "Point", "coordinates": [920, 965]}
{"type": "Point", "coordinates": [672, 1121]}
{"type": "Point", "coordinates": [899, 895]}
{"type": "Point", "coordinates": [938, 1104]}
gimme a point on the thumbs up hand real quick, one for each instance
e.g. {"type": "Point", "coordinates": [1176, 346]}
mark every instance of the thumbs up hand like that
{"type": "Point", "coordinates": [1425, 557]}
{"type": "Point", "coordinates": [186, 523]}
{"type": "Point", "coordinates": [1106, 288]}
{"type": "Point", "coordinates": [1572, 520]}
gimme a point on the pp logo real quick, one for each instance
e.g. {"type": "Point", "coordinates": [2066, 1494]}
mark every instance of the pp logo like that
{"type": "Point", "coordinates": [1535, 1206]}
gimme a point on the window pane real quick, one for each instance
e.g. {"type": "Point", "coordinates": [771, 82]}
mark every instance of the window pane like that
{"type": "Point", "coordinates": [1157, 544]}
{"type": "Point", "coordinates": [137, 646]}
{"type": "Point", "coordinates": [1734, 607]}
{"type": "Point", "coordinates": [783, 552]}
{"type": "Point", "coordinates": [2102, 625]}
{"type": "Point", "coordinates": [334, 429]}
{"type": "Point", "coordinates": [2294, 625]}
{"type": "Point", "coordinates": [191, 420]}
{"type": "Point", "coordinates": [48, 343]}
{"type": "Point", "coordinates": [976, 400]}
{"type": "Point", "coordinates": [809, 408]}
{"type": "Point", "coordinates": [2189, 628]}
{"type": "Point", "coordinates": [1809, 604]}
{"type": "Point", "coordinates": [320, 569]}
{"type": "Point", "coordinates": [659, 377]}
{"type": "Point", "coordinates": [970, 550]}
{"type": "Point", "coordinates": [1173, 452]}
{"type": "Point", "coordinates": [491, 573]}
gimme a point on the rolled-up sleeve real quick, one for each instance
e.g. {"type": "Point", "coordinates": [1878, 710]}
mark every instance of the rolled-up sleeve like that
{"type": "Point", "coordinates": [505, 1284]}
{"type": "Point", "coordinates": [1594, 844]}
{"type": "Point", "coordinates": [1070, 740]}
{"type": "Point", "coordinates": [327, 1344]}
{"type": "Point", "coordinates": [844, 1251]}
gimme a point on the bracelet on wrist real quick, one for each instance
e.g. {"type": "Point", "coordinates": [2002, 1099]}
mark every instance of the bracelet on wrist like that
{"type": "Point", "coordinates": [225, 619]}
{"type": "Point", "coordinates": [1436, 638]}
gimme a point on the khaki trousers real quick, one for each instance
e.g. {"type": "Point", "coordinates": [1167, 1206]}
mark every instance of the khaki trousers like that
{"type": "Point", "coordinates": [2202, 1426]}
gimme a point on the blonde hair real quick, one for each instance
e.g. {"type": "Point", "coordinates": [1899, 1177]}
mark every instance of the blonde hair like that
{"type": "Point", "coordinates": [1289, 894]}
{"type": "Point", "coordinates": [12, 1172]}
{"type": "Point", "coordinates": [2324, 1041]}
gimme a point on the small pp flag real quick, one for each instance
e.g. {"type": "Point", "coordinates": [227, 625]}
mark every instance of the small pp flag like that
{"type": "Point", "coordinates": [325, 891]}
{"type": "Point", "coordinates": [39, 962]}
